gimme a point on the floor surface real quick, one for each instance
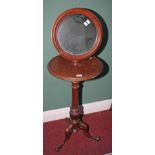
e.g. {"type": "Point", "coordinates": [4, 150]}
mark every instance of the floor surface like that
{"type": "Point", "coordinates": [100, 125]}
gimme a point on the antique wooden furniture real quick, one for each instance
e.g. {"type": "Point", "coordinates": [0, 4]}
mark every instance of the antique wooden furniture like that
{"type": "Point", "coordinates": [77, 35]}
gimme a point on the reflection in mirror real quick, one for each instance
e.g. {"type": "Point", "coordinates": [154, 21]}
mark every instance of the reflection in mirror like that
{"type": "Point", "coordinates": [76, 34]}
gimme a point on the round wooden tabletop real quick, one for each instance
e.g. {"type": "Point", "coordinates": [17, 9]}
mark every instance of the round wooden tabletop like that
{"type": "Point", "coordinates": [67, 70]}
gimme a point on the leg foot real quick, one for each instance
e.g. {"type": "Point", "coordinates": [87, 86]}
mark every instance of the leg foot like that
{"type": "Point", "coordinates": [68, 133]}
{"type": "Point", "coordinates": [85, 127]}
{"type": "Point", "coordinates": [58, 148]}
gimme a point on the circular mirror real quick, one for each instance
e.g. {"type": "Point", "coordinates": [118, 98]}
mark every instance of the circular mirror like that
{"type": "Point", "coordinates": [77, 34]}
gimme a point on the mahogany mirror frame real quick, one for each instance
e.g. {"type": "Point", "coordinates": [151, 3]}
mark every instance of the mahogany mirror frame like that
{"type": "Point", "coordinates": [97, 25]}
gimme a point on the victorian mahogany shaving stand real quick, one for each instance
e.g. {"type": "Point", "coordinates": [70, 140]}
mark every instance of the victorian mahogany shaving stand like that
{"type": "Point", "coordinates": [75, 72]}
{"type": "Point", "coordinates": [77, 36]}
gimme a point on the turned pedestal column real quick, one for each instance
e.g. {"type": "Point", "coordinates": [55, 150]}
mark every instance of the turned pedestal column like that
{"type": "Point", "coordinates": [82, 71]}
{"type": "Point", "coordinates": [75, 119]}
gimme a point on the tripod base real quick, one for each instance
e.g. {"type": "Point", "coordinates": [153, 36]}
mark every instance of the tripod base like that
{"type": "Point", "coordinates": [76, 123]}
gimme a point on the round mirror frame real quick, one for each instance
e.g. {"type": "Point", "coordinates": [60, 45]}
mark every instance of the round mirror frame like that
{"type": "Point", "coordinates": [99, 35]}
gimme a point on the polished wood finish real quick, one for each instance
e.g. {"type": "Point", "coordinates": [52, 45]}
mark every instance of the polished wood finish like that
{"type": "Point", "coordinates": [76, 68]}
{"type": "Point", "coordinates": [97, 43]}
{"type": "Point", "coordinates": [75, 119]}
{"type": "Point", "coordinates": [68, 70]}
